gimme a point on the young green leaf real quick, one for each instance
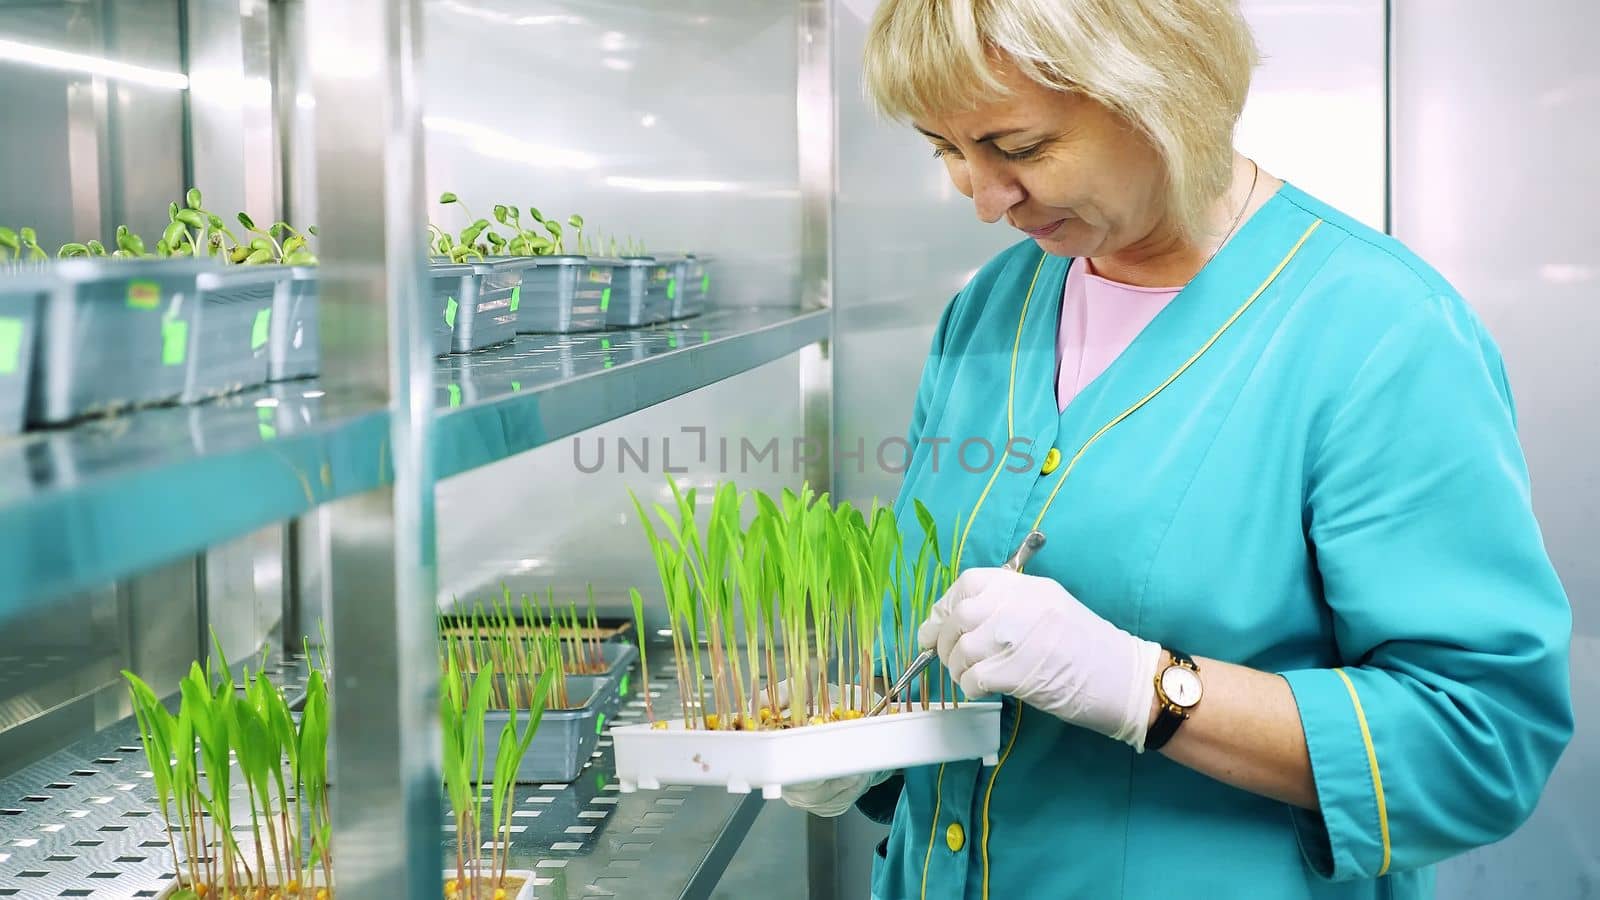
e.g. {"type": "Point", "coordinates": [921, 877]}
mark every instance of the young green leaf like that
{"type": "Point", "coordinates": [447, 197]}
{"type": "Point", "coordinates": [193, 198]}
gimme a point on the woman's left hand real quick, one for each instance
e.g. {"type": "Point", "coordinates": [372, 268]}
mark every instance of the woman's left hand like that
{"type": "Point", "coordinates": [1000, 631]}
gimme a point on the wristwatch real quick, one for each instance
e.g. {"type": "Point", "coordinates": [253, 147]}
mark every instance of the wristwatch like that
{"type": "Point", "coordinates": [1178, 691]}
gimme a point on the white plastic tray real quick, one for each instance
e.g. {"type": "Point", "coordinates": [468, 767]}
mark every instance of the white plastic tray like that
{"type": "Point", "coordinates": [743, 761]}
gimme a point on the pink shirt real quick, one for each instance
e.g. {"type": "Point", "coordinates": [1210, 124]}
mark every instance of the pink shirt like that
{"type": "Point", "coordinates": [1099, 319]}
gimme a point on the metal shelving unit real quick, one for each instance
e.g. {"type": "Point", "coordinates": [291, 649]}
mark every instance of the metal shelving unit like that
{"type": "Point", "coordinates": [366, 443]}
{"type": "Point", "coordinates": [83, 506]}
{"type": "Point", "coordinates": [83, 822]}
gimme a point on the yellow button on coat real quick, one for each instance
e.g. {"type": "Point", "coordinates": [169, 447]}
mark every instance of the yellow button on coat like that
{"type": "Point", "coordinates": [1051, 460]}
{"type": "Point", "coordinates": [954, 837]}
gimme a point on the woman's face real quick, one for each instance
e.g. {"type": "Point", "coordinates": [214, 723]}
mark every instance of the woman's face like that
{"type": "Point", "coordinates": [1058, 166]}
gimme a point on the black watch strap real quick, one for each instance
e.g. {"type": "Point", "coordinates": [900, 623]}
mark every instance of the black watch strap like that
{"type": "Point", "coordinates": [1167, 718]}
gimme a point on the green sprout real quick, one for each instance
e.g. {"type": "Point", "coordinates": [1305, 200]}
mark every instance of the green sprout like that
{"type": "Point", "coordinates": [805, 582]}
{"type": "Point", "coordinates": [282, 767]}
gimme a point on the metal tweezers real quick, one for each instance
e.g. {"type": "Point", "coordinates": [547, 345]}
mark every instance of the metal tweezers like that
{"type": "Point", "coordinates": [1025, 551]}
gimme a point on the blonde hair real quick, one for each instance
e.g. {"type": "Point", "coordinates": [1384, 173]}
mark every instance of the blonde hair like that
{"type": "Point", "coordinates": [1177, 70]}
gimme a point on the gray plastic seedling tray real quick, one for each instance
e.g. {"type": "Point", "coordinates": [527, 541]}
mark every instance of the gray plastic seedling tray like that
{"type": "Point", "coordinates": [21, 298]}
{"type": "Point", "coordinates": [114, 334]}
{"type": "Point", "coordinates": [292, 344]}
{"type": "Point", "coordinates": [231, 349]}
{"type": "Point", "coordinates": [692, 286]}
{"type": "Point", "coordinates": [487, 314]}
{"type": "Point", "coordinates": [447, 284]}
{"type": "Point", "coordinates": [566, 294]}
{"type": "Point", "coordinates": [565, 737]}
{"type": "Point", "coordinates": [639, 292]}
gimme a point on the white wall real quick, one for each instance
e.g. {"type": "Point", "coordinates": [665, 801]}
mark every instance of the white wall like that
{"type": "Point", "coordinates": [1495, 183]}
{"type": "Point", "coordinates": [1315, 116]}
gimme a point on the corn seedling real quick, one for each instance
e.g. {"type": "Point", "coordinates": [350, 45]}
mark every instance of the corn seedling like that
{"type": "Point", "coordinates": [283, 767]}
{"type": "Point", "coordinates": [464, 702]}
{"type": "Point", "coordinates": [804, 588]}
{"type": "Point", "coordinates": [525, 640]}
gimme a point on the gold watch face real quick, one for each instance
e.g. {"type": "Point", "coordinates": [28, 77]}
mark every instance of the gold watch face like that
{"type": "Point", "coordinates": [1182, 686]}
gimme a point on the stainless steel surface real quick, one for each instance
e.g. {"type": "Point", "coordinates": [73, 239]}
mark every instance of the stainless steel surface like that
{"type": "Point", "coordinates": [84, 819]}
{"type": "Point", "coordinates": [52, 666]}
{"type": "Point", "coordinates": [1494, 183]}
{"type": "Point", "coordinates": [244, 591]}
{"type": "Point", "coordinates": [232, 138]}
{"type": "Point", "coordinates": [367, 81]}
{"type": "Point", "coordinates": [93, 116]}
{"type": "Point", "coordinates": [163, 482]}
{"type": "Point", "coordinates": [1316, 114]}
{"type": "Point", "coordinates": [1030, 545]}
{"type": "Point", "coordinates": [818, 166]}
{"type": "Point", "coordinates": [541, 389]}
{"type": "Point", "coordinates": [918, 663]}
{"type": "Point", "coordinates": [670, 121]}
{"type": "Point", "coordinates": [579, 527]}
{"type": "Point", "coordinates": [219, 97]}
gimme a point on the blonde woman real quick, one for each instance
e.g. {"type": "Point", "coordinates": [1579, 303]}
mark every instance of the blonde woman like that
{"type": "Point", "coordinates": [1294, 633]}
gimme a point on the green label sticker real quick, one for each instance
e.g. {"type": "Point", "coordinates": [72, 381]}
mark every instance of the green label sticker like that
{"type": "Point", "coordinates": [516, 386]}
{"type": "Point", "coordinates": [455, 394]}
{"type": "Point", "coordinates": [705, 335]}
{"type": "Point", "coordinates": [10, 344]}
{"type": "Point", "coordinates": [450, 312]}
{"type": "Point", "coordinates": [264, 423]}
{"type": "Point", "coordinates": [605, 343]}
{"type": "Point", "coordinates": [705, 283]}
{"type": "Point", "coordinates": [625, 677]}
{"type": "Point", "coordinates": [672, 289]}
{"type": "Point", "coordinates": [599, 723]}
{"type": "Point", "coordinates": [672, 341]}
{"type": "Point", "coordinates": [605, 299]}
{"type": "Point", "coordinates": [174, 342]}
{"type": "Point", "coordinates": [144, 295]}
{"type": "Point", "coordinates": [516, 297]}
{"type": "Point", "coordinates": [261, 328]}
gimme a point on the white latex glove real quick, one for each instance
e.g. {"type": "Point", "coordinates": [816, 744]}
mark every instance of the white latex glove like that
{"type": "Point", "coordinates": [828, 797]}
{"type": "Point", "coordinates": [1003, 632]}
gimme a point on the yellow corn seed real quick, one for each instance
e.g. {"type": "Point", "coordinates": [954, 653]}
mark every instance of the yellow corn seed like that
{"type": "Point", "coordinates": [712, 721]}
{"type": "Point", "coordinates": [660, 725]}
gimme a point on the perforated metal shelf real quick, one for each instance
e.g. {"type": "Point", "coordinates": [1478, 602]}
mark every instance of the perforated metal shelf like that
{"type": "Point", "coordinates": [84, 822]}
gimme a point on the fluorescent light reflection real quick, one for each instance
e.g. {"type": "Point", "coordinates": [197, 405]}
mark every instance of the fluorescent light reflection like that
{"type": "Point", "coordinates": [500, 18]}
{"type": "Point", "coordinates": [61, 60]}
{"type": "Point", "coordinates": [500, 145]}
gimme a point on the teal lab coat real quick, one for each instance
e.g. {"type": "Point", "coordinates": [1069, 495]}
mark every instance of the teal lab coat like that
{"type": "Point", "coordinates": [1332, 490]}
